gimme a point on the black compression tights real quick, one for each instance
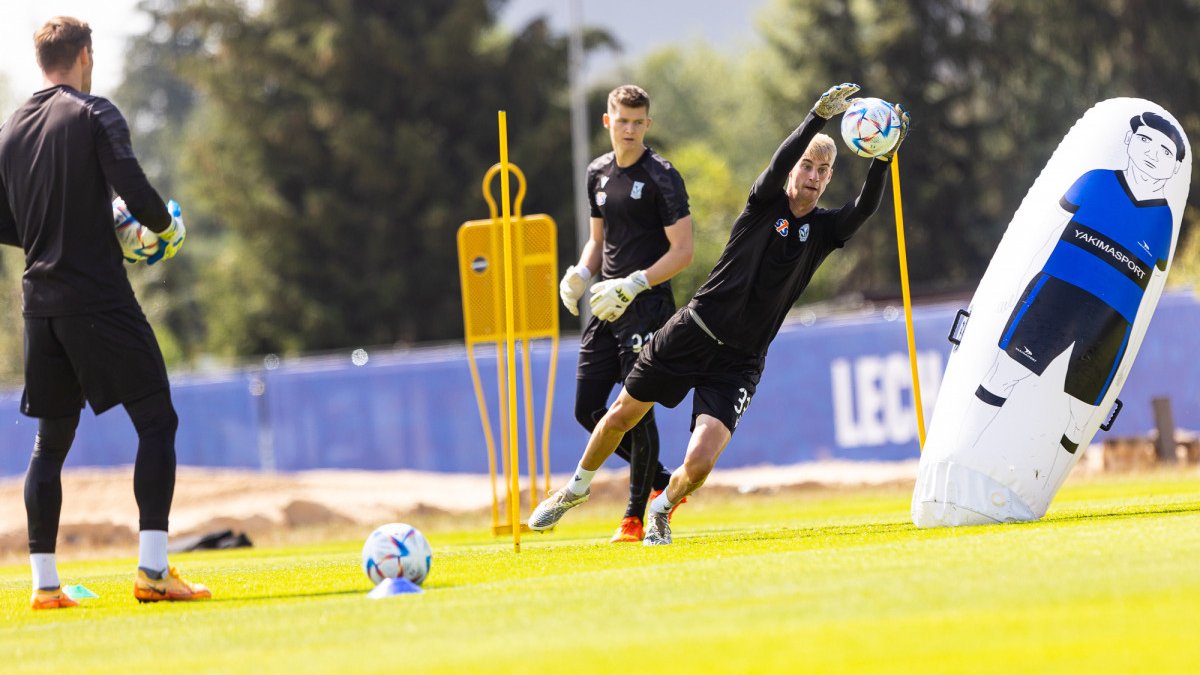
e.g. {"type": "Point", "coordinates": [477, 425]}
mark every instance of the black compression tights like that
{"type": "Point", "coordinates": [639, 447]}
{"type": "Point", "coordinates": [43, 481]}
{"type": "Point", "coordinates": [153, 472]}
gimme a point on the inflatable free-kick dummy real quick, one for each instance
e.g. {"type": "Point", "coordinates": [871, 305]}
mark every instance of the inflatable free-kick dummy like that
{"type": "Point", "coordinates": [1052, 331]}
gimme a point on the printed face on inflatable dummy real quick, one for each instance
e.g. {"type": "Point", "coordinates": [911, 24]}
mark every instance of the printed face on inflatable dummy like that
{"type": "Point", "coordinates": [1151, 153]}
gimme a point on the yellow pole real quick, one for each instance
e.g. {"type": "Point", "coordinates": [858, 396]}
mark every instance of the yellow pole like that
{"type": "Point", "coordinates": [912, 342]}
{"type": "Point", "coordinates": [514, 489]}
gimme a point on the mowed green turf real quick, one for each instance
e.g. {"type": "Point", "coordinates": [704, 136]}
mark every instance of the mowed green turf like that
{"type": "Point", "coordinates": [816, 581]}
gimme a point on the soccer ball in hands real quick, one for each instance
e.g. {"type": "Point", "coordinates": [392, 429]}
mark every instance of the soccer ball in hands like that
{"type": "Point", "coordinates": [137, 241]}
{"type": "Point", "coordinates": [396, 551]}
{"type": "Point", "coordinates": [871, 127]}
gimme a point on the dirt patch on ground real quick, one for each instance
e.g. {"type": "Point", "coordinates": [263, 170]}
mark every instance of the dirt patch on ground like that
{"type": "Point", "coordinates": [99, 515]}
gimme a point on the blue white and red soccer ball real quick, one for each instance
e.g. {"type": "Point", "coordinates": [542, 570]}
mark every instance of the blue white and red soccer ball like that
{"type": "Point", "coordinates": [397, 551]}
{"type": "Point", "coordinates": [870, 127]}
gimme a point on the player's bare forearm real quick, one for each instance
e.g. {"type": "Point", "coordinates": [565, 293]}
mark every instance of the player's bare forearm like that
{"type": "Point", "coordinates": [677, 257]}
{"type": "Point", "coordinates": [593, 249]}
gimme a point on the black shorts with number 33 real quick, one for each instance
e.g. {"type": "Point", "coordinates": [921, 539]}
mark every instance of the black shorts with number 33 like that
{"type": "Point", "coordinates": [684, 356]}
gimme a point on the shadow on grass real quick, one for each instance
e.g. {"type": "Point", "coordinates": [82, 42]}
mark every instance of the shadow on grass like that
{"type": "Point", "coordinates": [285, 596]}
{"type": "Point", "coordinates": [885, 528]}
{"type": "Point", "coordinates": [1131, 512]}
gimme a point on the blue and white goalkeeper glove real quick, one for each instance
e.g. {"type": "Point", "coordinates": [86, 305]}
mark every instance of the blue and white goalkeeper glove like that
{"type": "Point", "coordinates": [611, 298]}
{"type": "Point", "coordinates": [171, 239]}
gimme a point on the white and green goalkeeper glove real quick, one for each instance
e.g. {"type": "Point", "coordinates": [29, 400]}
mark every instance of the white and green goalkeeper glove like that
{"type": "Point", "coordinates": [611, 298]}
{"type": "Point", "coordinates": [904, 120]}
{"type": "Point", "coordinates": [572, 286]}
{"type": "Point", "coordinates": [835, 100]}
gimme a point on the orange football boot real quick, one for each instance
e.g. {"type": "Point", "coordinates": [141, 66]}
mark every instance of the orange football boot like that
{"type": "Point", "coordinates": [630, 530]}
{"type": "Point", "coordinates": [170, 587]}
{"type": "Point", "coordinates": [51, 599]}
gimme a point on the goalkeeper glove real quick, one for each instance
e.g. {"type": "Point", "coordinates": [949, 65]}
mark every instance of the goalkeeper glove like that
{"type": "Point", "coordinates": [137, 241]}
{"type": "Point", "coordinates": [572, 286]}
{"type": "Point", "coordinates": [904, 118]}
{"type": "Point", "coordinates": [611, 298]}
{"type": "Point", "coordinates": [171, 239]}
{"type": "Point", "coordinates": [835, 101]}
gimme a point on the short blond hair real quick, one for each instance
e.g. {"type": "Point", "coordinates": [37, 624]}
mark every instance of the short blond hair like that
{"type": "Point", "coordinates": [58, 42]}
{"type": "Point", "coordinates": [822, 147]}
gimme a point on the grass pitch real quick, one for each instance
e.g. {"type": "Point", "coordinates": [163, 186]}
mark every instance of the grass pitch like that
{"type": "Point", "coordinates": [804, 581]}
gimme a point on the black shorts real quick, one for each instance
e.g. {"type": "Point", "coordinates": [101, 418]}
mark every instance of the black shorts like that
{"type": "Point", "coordinates": [683, 356]}
{"type": "Point", "coordinates": [107, 358]}
{"type": "Point", "coordinates": [608, 349]}
{"type": "Point", "coordinates": [1051, 316]}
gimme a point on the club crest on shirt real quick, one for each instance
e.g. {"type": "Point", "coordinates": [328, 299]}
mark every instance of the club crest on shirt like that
{"type": "Point", "coordinates": [601, 197]}
{"type": "Point", "coordinates": [781, 226]}
{"type": "Point", "coordinates": [636, 192]}
{"type": "Point", "coordinates": [803, 233]}
{"type": "Point", "coordinates": [603, 181]}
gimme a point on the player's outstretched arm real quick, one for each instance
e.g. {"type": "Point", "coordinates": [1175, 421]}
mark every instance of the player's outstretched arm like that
{"type": "Point", "coordinates": [833, 102]}
{"type": "Point", "coordinates": [871, 196]}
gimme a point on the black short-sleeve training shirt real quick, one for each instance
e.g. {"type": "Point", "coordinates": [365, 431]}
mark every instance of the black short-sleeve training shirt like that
{"type": "Point", "coordinates": [636, 202]}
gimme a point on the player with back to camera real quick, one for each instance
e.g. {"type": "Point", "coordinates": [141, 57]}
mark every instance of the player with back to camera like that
{"type": "Point", "coordinates": [86, 338]}
{"type": "Point", "coordinates": [640, 237]}
{"type": "Point", "coordinates": [717, 344]}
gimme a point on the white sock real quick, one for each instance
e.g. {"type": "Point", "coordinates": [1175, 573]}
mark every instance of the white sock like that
{"type": "Point", "coordinates": [152, 550]}
{"type": "Point", "coordinates": [581, 481]}
{"type": "Point", "coordinates": [45, 571]}
{"type": "Point", "coordinates": [661, 504]}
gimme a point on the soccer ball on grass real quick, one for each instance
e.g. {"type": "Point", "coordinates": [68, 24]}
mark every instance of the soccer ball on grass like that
{"type": "Point", "coordinates": [397, 551]}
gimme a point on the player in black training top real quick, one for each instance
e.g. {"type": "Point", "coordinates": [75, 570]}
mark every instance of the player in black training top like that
{"type": "Point", "coordinates": [62, 154]}
{"type": "Point", "coordinates": [717, 344]}
{"type": "Point", "coordinates": [641, 236]}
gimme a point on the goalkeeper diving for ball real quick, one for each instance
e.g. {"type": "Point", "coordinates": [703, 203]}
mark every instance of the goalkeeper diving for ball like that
{"type": "Point", "coordinates": [717, 344]}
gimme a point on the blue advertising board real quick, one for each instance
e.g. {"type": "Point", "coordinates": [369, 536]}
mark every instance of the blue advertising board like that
{"type": "Point", "coordinates": [837, 387]}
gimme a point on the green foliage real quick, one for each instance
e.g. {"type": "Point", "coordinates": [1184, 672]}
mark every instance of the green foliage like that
{"type": "Point", "coordinates": [816, 580]}
{"type": "Point", "coordinates": [342, 143]}
{"type": "Point", "coordinates": [715, 199]}
{"type": "Point", "coordinates": [159, 104]}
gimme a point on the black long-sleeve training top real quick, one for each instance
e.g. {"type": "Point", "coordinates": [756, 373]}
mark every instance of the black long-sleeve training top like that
{"type": "Point", "coordinates": [771, 254]}
{"type": "Point", "coordinates": [62, 154]}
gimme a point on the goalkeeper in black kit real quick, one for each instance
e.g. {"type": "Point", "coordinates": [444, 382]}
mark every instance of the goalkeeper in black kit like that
{"type": "Point", "coordinates": [717, 344]}
{"type": "Point", "coordinates": [62, 154]}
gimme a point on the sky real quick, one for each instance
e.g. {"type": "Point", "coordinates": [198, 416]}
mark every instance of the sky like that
{"type": "Point", "coordinates": [639, 25]}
